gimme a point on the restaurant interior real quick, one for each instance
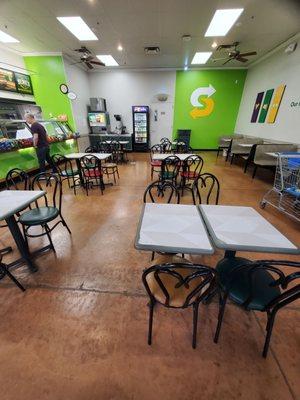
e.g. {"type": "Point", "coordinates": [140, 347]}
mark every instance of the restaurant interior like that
{"type": "Point", "coordinates": [149, 199]}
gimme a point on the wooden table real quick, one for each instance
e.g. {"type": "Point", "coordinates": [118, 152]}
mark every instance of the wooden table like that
{"type": "Point", "coordinates": [172, 228]}
{"type": "Point", "coordinates": [11, 202]}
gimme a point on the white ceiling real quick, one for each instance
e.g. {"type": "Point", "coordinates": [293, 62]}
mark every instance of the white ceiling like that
{"type": "Point", "coordinates": [135, 24]}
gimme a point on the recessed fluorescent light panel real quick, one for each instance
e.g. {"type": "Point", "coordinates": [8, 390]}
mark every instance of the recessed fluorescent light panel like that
{"type": "Point", "coordinates": [108, 60]}
{"type": "Point", "coordinates": [222, 21]}
{"type": "Point", "coordinates": [78, 27]}
{"type": "Point", "coordinates": [6, 38]}
{"type": "Point", "coordinates": [201, 57]}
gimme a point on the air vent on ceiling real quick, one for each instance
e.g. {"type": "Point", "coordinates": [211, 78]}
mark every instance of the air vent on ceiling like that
{"type": "Point", "coordinates": [152, 50]}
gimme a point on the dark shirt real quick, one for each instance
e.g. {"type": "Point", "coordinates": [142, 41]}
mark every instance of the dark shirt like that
{"type": "Point", "coordinates": [38, 129]}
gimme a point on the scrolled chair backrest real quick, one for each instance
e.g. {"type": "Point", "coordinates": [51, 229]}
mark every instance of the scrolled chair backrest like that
{"type": "Point", "coordinates": [165, 190]}
{"type": "Point", "coordinates": [171, 166]}
{"type": "Point", "coordinates": [281, 280]}
{"type": "Point", "coordinates": [17, 179]}
{"type": "Point", "coordinates": [195, 279]}
{"type": "Point", "coordinates": [51, 184]}
{"type": "Point", "coordinates": [206, 189]}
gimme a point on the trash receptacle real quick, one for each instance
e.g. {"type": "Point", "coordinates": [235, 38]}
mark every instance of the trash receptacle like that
{"type": "Point", "coordinates": [184, 135]}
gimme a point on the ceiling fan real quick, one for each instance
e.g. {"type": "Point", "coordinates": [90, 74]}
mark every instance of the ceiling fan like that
{"type": "Point", "coordinates": [234, 53]}
{"type": "Point", "coordinates": [87, 58]}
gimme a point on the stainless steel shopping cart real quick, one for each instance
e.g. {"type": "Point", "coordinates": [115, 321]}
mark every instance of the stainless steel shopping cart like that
{"type": "Point", "coordinates": [285, 194]}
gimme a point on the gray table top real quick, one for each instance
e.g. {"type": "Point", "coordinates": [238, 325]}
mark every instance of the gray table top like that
{"type": "Point", "coordinates": [172, 228]}
{"type": "Point", "coordinates": [12, 201]}
{"type": "Point", "coordinates": [181, 156]}
{"type": "Point", "coordinates": [100, 156]}
{"type": "Point", "coordinates": [244, 229]}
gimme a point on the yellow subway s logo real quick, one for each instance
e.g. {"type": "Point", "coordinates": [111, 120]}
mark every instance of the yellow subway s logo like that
{"type": "Point", "coordinates": [202, 102]}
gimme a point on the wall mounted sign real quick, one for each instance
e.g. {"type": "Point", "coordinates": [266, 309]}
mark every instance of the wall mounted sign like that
{"type": "Point", "coordinates": [276, 104]}
{"type": "Point", "coordinates": [265, 107]}
{"type": "Point", "coordinates": [15, 82]}
{"type": "Point", "coordinates": [201, 101]}
{"type": "Point", "coordinates": [23, 83]}
{"type": "Point", "coordinates": [257, 106]}
{"type": "Point", "coordinates": [7, 80]}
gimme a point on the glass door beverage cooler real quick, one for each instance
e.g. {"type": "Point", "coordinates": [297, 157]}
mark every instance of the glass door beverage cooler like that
{"type": "Point", "coordinates": [141, 127]}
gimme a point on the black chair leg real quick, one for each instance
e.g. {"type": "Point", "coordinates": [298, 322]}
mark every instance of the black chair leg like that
{"type": "Point", "coordinates": [14, 279]}
{"type": "Point", "coordinates": [222, 305]}
{"type": "Point", "coordinates": [151, 309]}
{"type": "Point", "coordinates": [254, 171]}
{"type": "Point", "coordinates": [48, 232]}
{"type": "Point", "coordinates": [246, 167]}
{"type": "Point", "coordinates": [152, 256]}
{"type": "Point", "coordinates": [269, 329]}
{"type": "Point", "coordinates": [65, 224]}
{"type": "Point", "coordinates": [195, 324]}
{"type": "Point", "coordinates": [232, 158]}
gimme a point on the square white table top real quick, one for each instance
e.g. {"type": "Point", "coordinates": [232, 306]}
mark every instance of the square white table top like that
{"type": "Point", "coordinates": [226, 140]}
{"type": "Point", "coordinates": [246, 144]}
{"type": "Point", "coordinates": [172, 228]}
{"type": "Point", "coordinates": [100, 156]}
{"type": "Point", "coordinates": [160, 157]}
{"type": "Point", "coordinates": [12, 201]}
{"type": "Point", "coordinates": [244, 229]}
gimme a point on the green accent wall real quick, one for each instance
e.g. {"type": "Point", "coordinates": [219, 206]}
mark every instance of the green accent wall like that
{"type": "Point", "coordinates": [26, 158]}
{"type": "Point", "coordinates": [49, 74]}
{"type": "Point", "coordinates": [219, 112]}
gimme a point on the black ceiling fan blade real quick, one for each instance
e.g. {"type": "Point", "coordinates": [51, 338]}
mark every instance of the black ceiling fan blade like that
{"type": "Point", "coordinates": [229, 59]}
{"type": "Point", "coordinates": [241, 59]}
{"type": "Point", "coordinates": [89, 65]}
{"type": "Point", "coordinates": [98, 63]}
{"type": "Point", "coordinates": [251, 53]}
{"type": "Point", "coordinates": [78, 62]}
{"type": "Point", "coordinates": [224, 46]}
{"type": "Point", "coordinates": [83, 49]}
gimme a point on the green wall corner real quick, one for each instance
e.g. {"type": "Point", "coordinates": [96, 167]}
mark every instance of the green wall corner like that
{"type": "Point", "coordinates": [48, 75]}
{"type": "Point", "coordinates": [224, 103]}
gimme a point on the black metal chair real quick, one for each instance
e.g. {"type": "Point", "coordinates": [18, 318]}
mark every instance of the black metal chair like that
{"type": "Point", "coordinates": [178, 286]}
{"type": "Point", "coordinates": [170, 167]}
{"type": "Point", "coordinates": [5, 271]}
{"type": "Point", "coordinates": [191, 170]}
{"type": "Point", "coordinates": [91, 149]}
{"type": "Point", "coordinates": [155, 164]}
{"type": "Point", "coordinates": [166, 145]}
{"type": "Point", "coordinates": [91, 172]}
{"type": "Point", "coordinates": [65, 170]}
{"type": "Point", "coordinates": [206, 189]}
{"type": "Point", "coordinates": [165, 191]}
{"type": "Point", "coordinates": [42, 216]}
{"type": "Point", "coordinates": [258, 286]}
{"type": "Point", "coordinates": [17, 179]}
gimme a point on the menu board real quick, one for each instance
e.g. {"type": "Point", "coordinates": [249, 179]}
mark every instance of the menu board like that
{"type": "Point", "coordinates": [7, 80]}
{"type": "Point", "coordinates": [23, 83]}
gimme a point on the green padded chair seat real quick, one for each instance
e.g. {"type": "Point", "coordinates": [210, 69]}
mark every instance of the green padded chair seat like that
{"type": "Point", "coordinates": [38, 216]}
{"type": "Point", "coordinates": [168, 175]}
{"type": "Point", "coordinates": [69, 172]}
{"type": "Point", "coordinates": [239, 287]}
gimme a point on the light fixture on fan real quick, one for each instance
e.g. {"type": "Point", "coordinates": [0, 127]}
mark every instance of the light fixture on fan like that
{"type": "Point", "coordinates": [162, 97]}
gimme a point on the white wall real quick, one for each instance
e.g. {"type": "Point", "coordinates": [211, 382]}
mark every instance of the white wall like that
{"type": "Point", "coordinates": [78, 82]}
{"type": "Point", "coordinates": [123, 89]}
{"type": "Point", "coordinates": [16, 63]}
{"type": "Point", "coordinates": [280, 68]}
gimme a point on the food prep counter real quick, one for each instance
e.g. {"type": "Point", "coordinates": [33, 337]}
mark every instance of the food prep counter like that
{"type": "Point", "coordinates": [16, 144]}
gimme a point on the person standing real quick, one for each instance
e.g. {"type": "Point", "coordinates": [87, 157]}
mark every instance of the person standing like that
{"type": "Point", "coordinates": [40, 142]}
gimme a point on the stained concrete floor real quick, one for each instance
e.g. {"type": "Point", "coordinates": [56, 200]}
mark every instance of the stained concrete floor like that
{"type": "Point", "coordinates": [79, 331]}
